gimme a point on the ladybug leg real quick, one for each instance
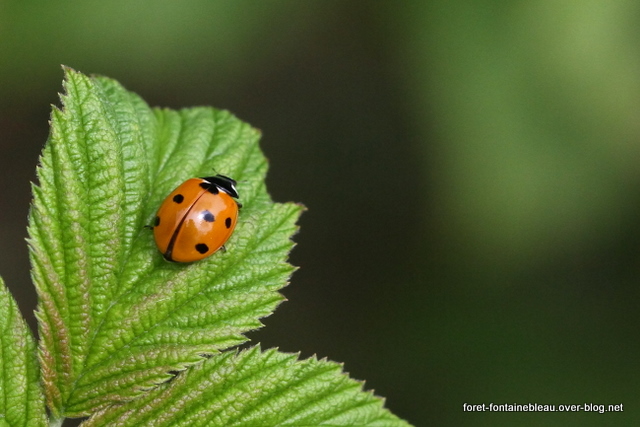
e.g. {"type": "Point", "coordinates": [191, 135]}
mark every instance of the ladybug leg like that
{"type": "Point", "coordinates": [223, 248]}
{"type": "Point", "coordinates": [156, 222]}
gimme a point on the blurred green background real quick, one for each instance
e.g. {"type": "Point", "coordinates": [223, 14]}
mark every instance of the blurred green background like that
{"type": "Point", "coordinates": [471, 169]}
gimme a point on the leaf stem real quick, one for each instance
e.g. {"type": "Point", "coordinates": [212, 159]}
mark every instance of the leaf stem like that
{"type": "Point", "coordinates": [56, 422]}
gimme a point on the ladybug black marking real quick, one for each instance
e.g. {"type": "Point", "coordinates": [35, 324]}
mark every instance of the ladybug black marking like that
{"type": "Point", "coordinates": [202, 248]}
{"type": "Point", "coordinates": [211, 188]}
{"type": "Point", "coordinates": [178, 198]}
{"type": "Point", "coordinates": [156, 222]}
{"type": "Point", "coordinates": [208, 216]}
{"type": "Point", "coordinates": [227, 222]}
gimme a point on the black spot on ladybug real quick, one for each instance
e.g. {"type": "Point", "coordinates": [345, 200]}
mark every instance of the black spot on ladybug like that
{"type": "Point", "coordinates": [227, 222]}
{"type": "Point", "coordinates": [178, 198]}
{"type": "Point", "coordinates": [202, 248]}
{"type": "Point", "coordinates": [156, 222]}
{"type": "Point", "coordinates": [208, 216]}
{"type": "Point", "coordinates": [211, 188]}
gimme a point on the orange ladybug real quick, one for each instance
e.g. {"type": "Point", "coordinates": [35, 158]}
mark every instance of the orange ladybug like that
{"type": "Point", "coordinates": [197, 218]}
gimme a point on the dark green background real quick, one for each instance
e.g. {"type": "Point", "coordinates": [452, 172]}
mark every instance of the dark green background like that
{"type": "Point", "coordinates": [471, 169]}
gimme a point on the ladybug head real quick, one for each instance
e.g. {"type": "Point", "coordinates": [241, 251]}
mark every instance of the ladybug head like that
{"type": "Point", "coordinates": [224, 183]}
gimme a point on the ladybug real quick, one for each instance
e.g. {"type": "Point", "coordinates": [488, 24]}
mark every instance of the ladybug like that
{"type": "Point", "coordinates": [197, 218]}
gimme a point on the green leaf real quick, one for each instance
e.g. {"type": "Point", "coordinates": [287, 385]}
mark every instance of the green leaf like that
{"type": "Point", "coordinates": [115, 318]}
{"type": "Point", "coordinates": [253, 389]}
{"type": "Point", "coordinates": [21, 397]}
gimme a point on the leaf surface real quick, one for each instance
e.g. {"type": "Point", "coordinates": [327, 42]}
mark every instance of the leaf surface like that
{"type": "Point", "coordinates": [115, 318]}
{"type": "Point", "coordinates": [253, 389]}
{"type": "Point", "coordinates": [21, 397]}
